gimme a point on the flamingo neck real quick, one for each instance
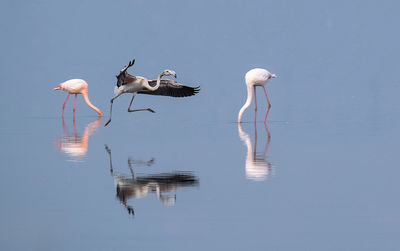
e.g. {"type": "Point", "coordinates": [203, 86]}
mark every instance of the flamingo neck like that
{"type": "Point", "coordinates": [247, 104]}
{"type": "Point", "coordinates": [157, 85]}
{"type": "Point", "coordinates": [85, 96]}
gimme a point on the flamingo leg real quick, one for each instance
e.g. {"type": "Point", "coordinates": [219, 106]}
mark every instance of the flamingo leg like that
{"type": "Point", "coordinates": [63, 106]}
{"type": "Point", "coordinates": [255, 140]}
{"type": "Point", "coordinates": [255, 98]}
{"type": "Point", "coordinates": [136, 110]}
{"type": "Point", "coordinates": [74, 107]}
{"type": "Point", "coordinates": [269, 105]}
{"type": "Point", "coordinates": [255, 105]}
{"type": "Point", "coordinates": [255, 117]}
{"type": "Point", "coordinates": [111, 103]}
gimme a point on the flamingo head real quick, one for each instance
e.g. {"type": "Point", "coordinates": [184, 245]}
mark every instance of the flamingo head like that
{"type": "Point", "coordinates": [59, 87]}
{"type": "Point", "coordinates": [169, 73]}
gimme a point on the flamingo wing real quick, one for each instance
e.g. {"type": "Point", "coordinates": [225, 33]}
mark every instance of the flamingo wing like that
{"type": "Point", "coordinates": [171, 88]}
{"type": "Point", "coordinates": [124, 78]}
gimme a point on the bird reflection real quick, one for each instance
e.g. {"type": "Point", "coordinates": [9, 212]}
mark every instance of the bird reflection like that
{"type": "Point", "coordinates": [163, 184]}
{"type": "Point", "coordinates": [257, 165]}
{"type": "Point", "coordinates": [76, 145]}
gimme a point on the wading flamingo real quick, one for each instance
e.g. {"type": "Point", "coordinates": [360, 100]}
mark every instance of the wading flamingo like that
{"type": "Point", "coordinates": [255, 77]}
{"type": "Point", "coordinates": [76, 86]}
{"type": "Point", "coordinates": [127, 83]}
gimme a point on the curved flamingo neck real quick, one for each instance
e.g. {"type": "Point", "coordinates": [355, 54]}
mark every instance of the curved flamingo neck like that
{"type": "Point", "coordinates": [157, 85]}
{"type": "Point", "coordinates": [85, 96]}
{"type": "Point", "coordinates": [247, 104]}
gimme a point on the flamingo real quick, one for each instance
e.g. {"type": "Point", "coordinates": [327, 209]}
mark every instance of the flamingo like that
{"type": "Point", "coordinates": [77, 86]}
{"type": "Point", "coordinates": [127, 83]}
{"type": "Point", "coordinates": [255, 77]}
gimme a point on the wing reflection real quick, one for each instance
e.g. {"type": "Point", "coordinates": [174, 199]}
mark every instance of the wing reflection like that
{"type": "Point", "coordinates": [163, 184]}
{"type": "Point", "coordinates": [76, 145]}
{"type": "Point", "coordinates": [257, 165]}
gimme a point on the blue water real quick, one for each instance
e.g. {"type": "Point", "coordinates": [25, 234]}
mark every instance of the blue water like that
{"type": "Point", "coordinates": [324, 172]}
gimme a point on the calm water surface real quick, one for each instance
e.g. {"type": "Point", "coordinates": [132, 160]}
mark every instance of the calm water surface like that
{"type": "Point", "coordinates": [322, 175]}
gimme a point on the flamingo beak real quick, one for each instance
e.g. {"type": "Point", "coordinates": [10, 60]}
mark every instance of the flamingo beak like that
{"type": "Point", "coordinates": [58, 87]}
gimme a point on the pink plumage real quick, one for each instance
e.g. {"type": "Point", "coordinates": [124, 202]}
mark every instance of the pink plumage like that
{"type": "Point", "coordinates": [77, 86]}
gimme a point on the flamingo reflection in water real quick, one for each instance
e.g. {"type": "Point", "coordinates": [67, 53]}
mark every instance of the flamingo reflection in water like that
{"type": "Point", "coordinates": [76, 145]}
{"type": "Point", "coordinates": [139, 186]}
{"type": "Point", "coordinates": [257, 165]}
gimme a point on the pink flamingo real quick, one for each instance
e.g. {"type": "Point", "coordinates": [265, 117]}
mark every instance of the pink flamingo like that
{"type": "Point", "coordinates": [77, 86]}
{"type": "Point", "coordinates": [255, 77]}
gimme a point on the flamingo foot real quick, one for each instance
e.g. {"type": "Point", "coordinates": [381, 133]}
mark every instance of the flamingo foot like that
{"type": "Point", "coordinates": [108, 122]}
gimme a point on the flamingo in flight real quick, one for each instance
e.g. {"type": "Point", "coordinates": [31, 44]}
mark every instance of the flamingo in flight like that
{"type": "Point", "coordinates": [77, 86]}
{"type": "Point", "coordinates": [255, 77]}
{"type": "Point", "coordinates": [127, 83]}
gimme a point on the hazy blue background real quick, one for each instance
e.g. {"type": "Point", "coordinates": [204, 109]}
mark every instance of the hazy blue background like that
{"type": "Point", "coordinates": [334, 125]}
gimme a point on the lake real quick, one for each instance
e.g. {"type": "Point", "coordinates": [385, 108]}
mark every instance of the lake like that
{"type": "Point", "coordinates": [320, 175]}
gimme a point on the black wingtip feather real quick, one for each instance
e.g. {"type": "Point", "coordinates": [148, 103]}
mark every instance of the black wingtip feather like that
{"type": "Point", "coordinates": [172, 89]}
